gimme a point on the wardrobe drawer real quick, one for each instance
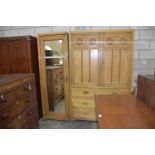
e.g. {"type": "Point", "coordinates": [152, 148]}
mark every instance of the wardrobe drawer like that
{"type": "Point", "coordinates": [84, 113]}
{"type": "Point", "coordinates": [83, 102]}
{"type": "Point", "coordinates": [85, 92]}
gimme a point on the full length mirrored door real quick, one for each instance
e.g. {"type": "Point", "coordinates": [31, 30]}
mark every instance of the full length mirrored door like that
{"type": "Point", "coordinates": [53, 56]}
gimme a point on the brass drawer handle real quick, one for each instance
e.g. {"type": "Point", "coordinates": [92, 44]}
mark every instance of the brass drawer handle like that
{"type": "Point", "coordinates": [114, 93]}
{"type": "Point", "coordinates": [85, 103]}
{"type": "Point", "coordinates": [2, 99]}
{"type": "Point", "coordinates": [85, 113]}
{"type": "Point", "coordinates": [85, 92]}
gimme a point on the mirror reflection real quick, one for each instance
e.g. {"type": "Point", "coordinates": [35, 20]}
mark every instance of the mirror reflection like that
{"type": "Point", "coordinates": [54, 72]}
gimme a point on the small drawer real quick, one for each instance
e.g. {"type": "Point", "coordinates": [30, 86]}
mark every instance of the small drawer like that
{"type": "Point", "coordinates": [83, 102]}
{"type": "Point", "coordinates": [84, 113]}
{"type": "Point", "coordinates": [82, 92]}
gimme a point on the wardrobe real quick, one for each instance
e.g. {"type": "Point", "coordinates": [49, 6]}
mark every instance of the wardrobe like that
{"type": "Point", "coordinates": [19, 55]}
{"type": "Point", "coordinates": [99, 62]}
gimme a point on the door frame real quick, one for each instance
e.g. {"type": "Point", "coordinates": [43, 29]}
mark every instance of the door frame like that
{"type": "Point", "coordinates": [43, 82]}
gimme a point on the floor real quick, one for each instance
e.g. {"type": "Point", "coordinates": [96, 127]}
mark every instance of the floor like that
{"type": "Point", "coordinates": [60, 106]}
{"type": "Point", "coordinates": [53, 124]}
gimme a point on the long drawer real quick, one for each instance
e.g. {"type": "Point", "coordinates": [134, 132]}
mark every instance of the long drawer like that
{"type": "Point", "coordinates": [84, 113]}
{"type": "Point", "coordinates": [93, 91]}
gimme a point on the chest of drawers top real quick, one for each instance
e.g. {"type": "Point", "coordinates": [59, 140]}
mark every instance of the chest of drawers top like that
{"type": "Point", "coordinates": [7, 79]}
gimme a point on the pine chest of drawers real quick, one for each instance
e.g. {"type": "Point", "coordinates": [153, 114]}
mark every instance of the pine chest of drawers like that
{"type": "Point", "coordinates": [18, 103]}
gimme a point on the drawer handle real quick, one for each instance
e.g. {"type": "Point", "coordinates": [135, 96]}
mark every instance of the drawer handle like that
{"type": "Point", "coordinates": [2, 99]}
{"type": "Point", "coordinates": [19, 116]}
{"type": "Point", "coordinates": [29, 113]}
{"type": "Point", "coordinates": [114, 93]}
{"type": "Point", "coordinates": [28, 87]}
{"type": "Point", "coordinates": [85, 103]}
{"type": "Point", "coordinates": [4, 115]}
{"type": "Point", "coordinates": [85, 92]}
{"type": "Point", "coordinates": [27, 100]}
{"type": "Point", "coordinates": [85, 113]}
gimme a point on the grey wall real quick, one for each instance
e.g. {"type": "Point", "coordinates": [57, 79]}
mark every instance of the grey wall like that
{"type": "Point", "coordinates": [144, 54]}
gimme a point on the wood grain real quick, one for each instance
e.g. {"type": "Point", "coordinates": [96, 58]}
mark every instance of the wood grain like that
{"type": "Point", "coordinates": [123, 112]}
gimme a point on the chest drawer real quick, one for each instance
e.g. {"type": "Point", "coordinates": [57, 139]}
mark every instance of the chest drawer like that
{"type": "Point", "coordinates": [24, 119]}
{"type": "Point", "coordinates": [83, 102]}
{"type": "Point", "coordinates": [84, 113]}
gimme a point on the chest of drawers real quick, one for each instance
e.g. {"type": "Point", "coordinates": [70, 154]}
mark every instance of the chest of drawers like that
{"type": "Point", "coordinates": [18, 103]}
{"type": "Point", "coordinates": [146, 89]}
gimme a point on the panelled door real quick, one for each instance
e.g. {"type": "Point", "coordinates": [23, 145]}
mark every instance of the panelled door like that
{"type": "Point", "coordinates": [117, 57]}
{"type": "Point", "coordinates": [85, 59]}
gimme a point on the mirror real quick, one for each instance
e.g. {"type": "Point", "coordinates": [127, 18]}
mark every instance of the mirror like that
{"type": "Point", "coordinates": [54, 75]}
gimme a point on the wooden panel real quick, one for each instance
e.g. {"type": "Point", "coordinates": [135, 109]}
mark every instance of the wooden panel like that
{"type": "Point", "coordinates": [124, 67]}
{"type": "Point", "coordinates": [115, 67]}
{"type": "Point", "coordinates": [77, 67]}
{"type": "Point", "coordinates": [20, 58]}
{"type": "Point", "coordinates": [94, 67]}
{"type": "Point", "coordinates": [107, 70]}
{"type": "Point", "coordinates": [85, 66]}
{"type": "Point", "coordinates": [4, 57]}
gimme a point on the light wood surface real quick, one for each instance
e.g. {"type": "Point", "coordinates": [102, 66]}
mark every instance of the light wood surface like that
{"type": "Point", "coordinates": [100, 63]}
{"type": "Point", "coordinates": [123, 112]}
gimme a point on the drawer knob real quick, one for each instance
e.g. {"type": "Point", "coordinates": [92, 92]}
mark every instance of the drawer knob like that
{"type": "Point", "coordinates": [19, 116]}
{"type": "Point", "coordinates": [85, 92]}
{"type": "Point", "coordinates": [99, 115]}
{"type": "Point", "coordinates": [4, 115]}
{"type": "Point", "coordinates": [2, 99]}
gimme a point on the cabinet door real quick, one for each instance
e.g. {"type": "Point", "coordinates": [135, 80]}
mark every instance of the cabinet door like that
{"type": "Point", "coordinates": [117, 60]}
{"type": "Point", "coordinates": [4, 57]}
{"type": "Point", "coordinates": [20, 56]}
{"type": "Point", "coordinates": [85, 60]}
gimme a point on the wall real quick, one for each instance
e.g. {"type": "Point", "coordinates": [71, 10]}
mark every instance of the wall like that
{"type": "Point", "coordinates": [144, 54]}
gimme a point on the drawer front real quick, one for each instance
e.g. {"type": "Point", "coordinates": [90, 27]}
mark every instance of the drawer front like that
{"type": "Point", "coordinates": [84, 113]}
{"type": "Point", "coordinates": [83, 102]}
{"type": "Point", "coordinates": [92, 92]}
{"type": "Point", "coordinates": [6, 99]}
{"type": "Point", "coordinates": [23, 119]}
